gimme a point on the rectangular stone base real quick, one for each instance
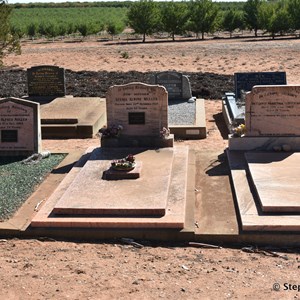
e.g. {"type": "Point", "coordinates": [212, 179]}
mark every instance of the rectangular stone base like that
{"type": "Point", "coordinates": [137, 141]}
{"type": "Point", "coordinates": [267, 143]}
{"type": "Point", "coordinates": [112, 174]}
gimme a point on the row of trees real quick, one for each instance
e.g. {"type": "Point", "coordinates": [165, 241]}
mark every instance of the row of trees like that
{"type": "Point", "coordinates": [52, 22]}
{"type": "Point", "coordinates": [205, 16]}
{"type": "Point", "coordinates": [147, 17]}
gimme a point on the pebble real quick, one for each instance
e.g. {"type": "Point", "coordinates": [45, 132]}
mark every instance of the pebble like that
{"type": "Point", "coordinates": [181, 112]}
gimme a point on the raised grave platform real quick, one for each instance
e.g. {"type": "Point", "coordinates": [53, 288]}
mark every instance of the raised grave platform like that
{"type": "Point", "coordinates": [267, 196]}
{"type": "Point", "coordinates": [156, 200]}
{"type": "Point", "coordinates": [70, 117]}
{"type": "Point", "coordinates": [192, 126]}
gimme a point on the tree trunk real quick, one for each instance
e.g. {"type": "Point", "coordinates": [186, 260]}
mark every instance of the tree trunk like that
{"type": "Point", "coordinates": [202, 34]}
{"type": "Point", "coordinates": [144, 37]}
{"type": "Point", "coordinates": [173, 36]}
{"type": "Point", "coordinates": [255, 32]}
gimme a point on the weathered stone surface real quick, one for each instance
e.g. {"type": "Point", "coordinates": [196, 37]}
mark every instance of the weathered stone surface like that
{"type": "Point", "coordinates": [141, 109]}
{"type": "Point", "coordinates": [20, 127]}
{"type": "Point", "coordinates": [273, 111]}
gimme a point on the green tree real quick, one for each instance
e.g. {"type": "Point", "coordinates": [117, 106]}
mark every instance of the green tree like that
{"type": "Point", "coordinates": [173, 18]}
{"type": "Point", "coordinates": [143, 17]}
{"type": "Point", "coordinates": [83, 29]}
{"type": "Point", "coordinates": [251, 13]}
{"type": "Point", "coordinates": [17, 30]}
{"type": "Point", "coordinates": [265, 13]}
{"type": "Point", "coordinates": [62, 29]}
{"type": "Point", "coordinates": [9, 43]}
{"type": "Point", "coordinates": [203, 17]}
{"type": "Point", "coordinates": [293, 9]}
{"type": "Point", "coordinates": [232, 19]}
{"type": "Point", "coordinates": [51, 30]}
{"type": "Point", "coordinates": [274, 18]}
{"type": "Point", "coordinates": [114, 29]}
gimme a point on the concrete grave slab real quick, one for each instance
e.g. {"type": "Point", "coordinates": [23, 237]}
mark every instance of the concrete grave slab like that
{"type": "Point", "coordinates": [70, 117]}
{"type": "Point", "coordinates": [276, 178]}
{"type": "Point", "coordinates": [146, 195]}
{"type": "Point", "coordinates": [175, 206]}
{"type": "Point", "coordinates": [251, 215]}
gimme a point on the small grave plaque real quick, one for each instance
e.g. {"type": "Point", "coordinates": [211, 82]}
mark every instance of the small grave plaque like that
{"type": "Point", "coordinates": [9, 136]}
{"type": "Point", "coordinates": [46, 81]}
{"type": "Point", "coordinates": [245, 81]}
{"type": "Point", "coordinates": [273, 111]}
{"type": "Point", "coordinates": [20, 132]}
{"type": "Point", "coordinates": [136, 118]}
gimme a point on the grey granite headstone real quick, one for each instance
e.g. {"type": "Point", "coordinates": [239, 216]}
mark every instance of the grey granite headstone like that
{"type": "Point", "coordinates": [246, 81]}
{"type": "Point", "coordinates": [177, 85]}
{"type": "Point", "coordinates": [46, 81]}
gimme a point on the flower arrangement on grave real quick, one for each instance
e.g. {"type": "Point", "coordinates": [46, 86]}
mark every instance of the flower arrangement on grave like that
{"type": "Point", "coordinates": [124, 164]}
{"type": "Point", "coordinates": [113, 131]}
{"type": "Point", "coordinates": [239, 131]}
{"type": "Point", "coordinates": [164, 133]}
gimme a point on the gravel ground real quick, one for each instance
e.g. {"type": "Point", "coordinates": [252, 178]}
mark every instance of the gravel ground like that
{"type": "Point", "coordinates": [182, 113]}
{"type": "Point", "coordinates": [18, 180]}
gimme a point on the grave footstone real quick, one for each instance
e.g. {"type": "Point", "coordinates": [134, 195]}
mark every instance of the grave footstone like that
{"type": "Point", "coordinates": [20, 127]}
{"type": "Point", "coordinates": [46, 81]}
{"type": "Point", "coordinates": [140, 112]}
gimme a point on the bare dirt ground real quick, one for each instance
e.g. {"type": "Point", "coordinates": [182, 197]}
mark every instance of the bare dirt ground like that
{"type": "Point", "coordinates": [34, 269]}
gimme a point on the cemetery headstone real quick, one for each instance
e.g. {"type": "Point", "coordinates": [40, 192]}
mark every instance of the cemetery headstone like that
{"type": "Point", "coordinates": [273, 111]}
{"type": "Point", "coordinates": [46, 81]}
{"type": "Point", "coordinates": [140, 110]}
{"type": "Point", "coordinates": [20, 127]}
{"type": "Point", "coordinates": [177, 85]}
{"type": "Point", "coordinates": [234, 103]}
{"type": "Point", "coordinates": [245, 81]}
